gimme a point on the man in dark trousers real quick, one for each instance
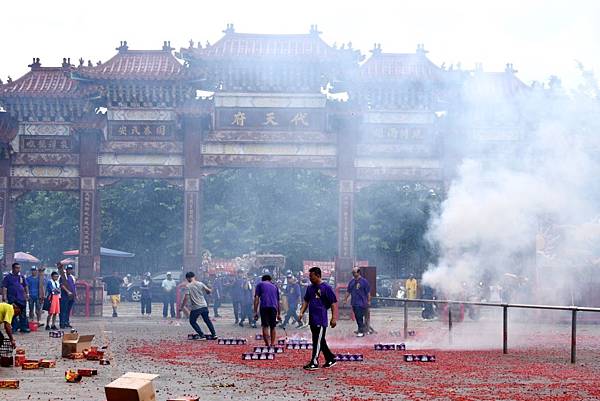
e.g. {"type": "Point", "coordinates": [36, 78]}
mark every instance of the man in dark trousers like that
{"type": "Point", "coordinates": [292, 292]}
{"type": "Point", "coordinates": [146, 292]}
{"type": "Point", "coordinates": [360, 291]}
{"type": "Point", "coordinates": [318, 299]}
{"type": "Point", "coordinates": [247, 299]}
{"type": "Point", "coordinates": [15, 291]}
{"type": "Point", "coordinates": [267, 296]}
{"type": "Point", "coordinates": [235, 290]}
{"type": "Point", "coordinates": [194, 292]}
{"type": "Point", "coordinates": [68, 294]}
{"type": "Point", "coordinates": [217, 293]}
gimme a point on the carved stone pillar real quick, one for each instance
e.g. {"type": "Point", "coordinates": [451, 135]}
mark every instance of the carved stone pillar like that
{"type": "Point", "coordinates": [348, 128]}
{"type": "Point", "coordinates": [7, 214]}
{"type": "Point", "coordinates": [89, 302]}
{"type": "Point", "coordinates": [192, 200]}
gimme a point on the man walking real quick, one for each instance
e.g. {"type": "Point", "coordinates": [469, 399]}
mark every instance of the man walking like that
{"type": "Point", "coordinates": [195, 291]}
{"type": "Point", "coordinates": [267, 295]}
{"type": "Point", "coordinates": [318, 299]}
{"type": "Point", "coordinates": [292, 292]}
{"type": "Point", "coordinates": [360, 291]}
{"type": "Point", "coordinates": [15, 291]}
{"type": "Point", "coordinates": [68, 294]}
{"type": "Point", "coordinates": [113, 290]}
{"type": "Point", "coordinates": [36, 295]}
{"type": "Point", "coordinates": [169, 289]}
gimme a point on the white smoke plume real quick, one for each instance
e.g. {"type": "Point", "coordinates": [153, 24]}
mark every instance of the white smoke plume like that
{"type": "Point", "coordinates": [544, 195]}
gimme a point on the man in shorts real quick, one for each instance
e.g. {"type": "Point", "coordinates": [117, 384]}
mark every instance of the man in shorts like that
{"type": "Point", "coordinates": [267, 296]}
{"type": "Point", "coordinates": [113, 290]}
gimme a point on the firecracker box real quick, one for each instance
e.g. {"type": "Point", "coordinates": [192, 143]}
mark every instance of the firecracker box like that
{"type": "Point", "coordinates": [297, 341]}
{"type": "Point", "coordinates": [47, 363]}
{"type": "Point", "coordinates": [411, 333]}
{"type": "Point", "coordinates": [30, 365]}
{"type": "Point", "coordinates": [281, 342]}
{"type": "Point", "coordinates": [419, 358]}
{"type": "Point", "coordinates": [55, 334]}
{"type": "Point", "coordinates": [232, 341]}
{"type": "Point", "coordinates": [19, 351]}
{"type": "Point", "coordinates": [184, 398]}
{"type": "Point", "coordinates": [19, 360]}
{"type": "Point", "coordinates": [72, 376]}
{"type": "Point", "coordinates": [131, 386]}
{"type": "Point", "coordinates": [76, 355]}
{"type": "Point", "coordinates": [389, 347]}
{"type": "Point", "coordinates": [252, 356]}
{"type": "Point", "coordinates": [75, 343]}
{"type": "Point", "coordinates": [349, 357]}
{"type": "Point", "coordinates": [258, 337]}
{"type": "Point", "coordinates": [299, 346]}
{"type": "Point", "coordinates": [268, 350]}
{"type": "Point", "coordinates": [87, 372]}
{"type": "Point", "coordinates": [104, 361]}
{"type": "Point", "coordinates": [9, 384]}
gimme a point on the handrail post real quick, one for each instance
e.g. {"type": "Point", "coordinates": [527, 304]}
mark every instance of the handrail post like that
{"type": "Point", "coordinates": [449, 323]}
{"type": "Point", "coordinates": [573, 335]}
{"type": "Point", "coordinates": [505, 329]}
{"type": "Point", "coordinates": [405, 320]}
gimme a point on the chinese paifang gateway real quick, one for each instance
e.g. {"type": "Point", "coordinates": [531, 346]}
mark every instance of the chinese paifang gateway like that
{"type": "Point", "coordinates": [267, 107]}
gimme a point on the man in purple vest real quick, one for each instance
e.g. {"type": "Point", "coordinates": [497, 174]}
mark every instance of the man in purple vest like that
{"type": "Point", "coordinates": [15, 291]}
{"type": "Point", "coordinates": [360, 291]}
{"type": "Point", "coordinates": [267, 295]}
{"type": "Point", "coordinates": [318, 299]}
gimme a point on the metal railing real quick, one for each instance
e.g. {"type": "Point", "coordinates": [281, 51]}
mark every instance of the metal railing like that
{"type": "Point", "coordinates": [505, 307]}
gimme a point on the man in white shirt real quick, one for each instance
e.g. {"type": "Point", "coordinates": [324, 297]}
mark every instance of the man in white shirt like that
{"type": "Point", "coordinates": [169, 287]}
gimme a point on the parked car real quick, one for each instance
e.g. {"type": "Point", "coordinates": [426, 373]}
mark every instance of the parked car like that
{"type": "Point", "coordinates": [134, 293]}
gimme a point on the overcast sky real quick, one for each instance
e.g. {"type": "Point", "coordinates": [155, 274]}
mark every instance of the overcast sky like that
{"type": "Point", "coordinates": [540, 37]}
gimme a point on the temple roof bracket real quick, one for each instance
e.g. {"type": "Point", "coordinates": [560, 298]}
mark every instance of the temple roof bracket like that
{"type": "Point", "coordinates": [314, 30]}
{"type": "Point", "coordinates": [167, 46]}
{"type": "Point", "coordinates": [229, 29]}
{"type": "Point", "coordinates": [376, 49]}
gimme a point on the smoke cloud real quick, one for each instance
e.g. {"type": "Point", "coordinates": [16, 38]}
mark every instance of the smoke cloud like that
{"type": "Point", "coordinates": [524, 216]}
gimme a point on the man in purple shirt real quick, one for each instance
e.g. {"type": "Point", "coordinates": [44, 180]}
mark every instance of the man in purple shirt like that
{"type": "Point", "coordinates": [267, 295]}
{"type": "Point", "coordinates": [360, 291]}
{"type": "Point", "coordinates": [318, 299]}
{"type": "Point", "coordinates": [67, 297]}
{"type": "Point", "coordinates": [15, 291]}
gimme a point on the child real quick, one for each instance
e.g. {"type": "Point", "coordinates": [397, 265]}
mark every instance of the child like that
{"type": "Point", "coordinates": [52, 300]}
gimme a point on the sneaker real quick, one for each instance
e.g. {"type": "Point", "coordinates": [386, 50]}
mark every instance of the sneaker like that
{"type": "Point", "coordinates": [236, 321]}
{"type": "Point", "coordinates": [253, 326]}
{"type": "Point", "coordinates": [241, 324]}
{"type": "Point", "coordinates": [115, 314]}
{"type": "Point", "coordinates": [25, 331]}
{"type": "Point", "coordinates": [360, 334]}
{"type": "Point", "coordinates": [329, 364]}
{"type": "Point", "coordinates": [311, 366]}
{"type": "Point", "coordinates": [215, 337]}
{"type": "Point", "coordinates": [54, 327]}
{"type": "Point", "coordinates": [47, 328]}
{"type": "Point", "coordinates": [68, 326]}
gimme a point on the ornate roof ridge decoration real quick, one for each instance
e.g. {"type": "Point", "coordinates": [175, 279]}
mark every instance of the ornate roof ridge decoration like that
{"type": "Point", "coordinates": [45, 82]}
{"type": "Point", "coordinates": [395, 66]}
{"type": "Point", "coordinates": [272, 46]}
{"type": "Point", "coordinates": [138, 65]}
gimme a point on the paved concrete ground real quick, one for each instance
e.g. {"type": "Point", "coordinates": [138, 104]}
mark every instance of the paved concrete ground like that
{"type": "Point", "coordinates": [471, 368]}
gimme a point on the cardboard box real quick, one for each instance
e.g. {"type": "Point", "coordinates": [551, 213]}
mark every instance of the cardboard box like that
{"type": "Point", "coordinates": [30, 365]}
{"type": "Point", "coordinates": [131, 387]}
{"type": "Point", "coordinates": [74, 343]}
{"type": "Point", "coordinates": [47, 363]}
{"type": "Point", "coordinates": [87, 372]}
{"type": "Point", "coordinates": [9, 383]}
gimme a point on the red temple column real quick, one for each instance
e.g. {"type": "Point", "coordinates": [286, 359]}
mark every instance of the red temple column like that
{"type": "Point", "coordinates": [192, 199]}
{"type": "Point", "coordinates": [7, 214]}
